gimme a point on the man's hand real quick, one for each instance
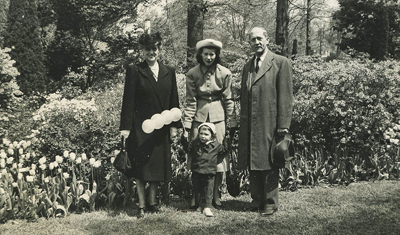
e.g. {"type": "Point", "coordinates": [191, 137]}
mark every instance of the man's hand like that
{"type": "Point", "coordinates": [125, 133]}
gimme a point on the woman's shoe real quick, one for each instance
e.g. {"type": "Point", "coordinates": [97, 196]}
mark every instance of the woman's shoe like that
{"type": "Point", "coordinates": [207, 212]}
{"type": "Point", "coordinates": [141, 213]}
{"type": "Point", "coordinates": [154, 208]}
{"type": "Point", "coordinates": [193, 208]}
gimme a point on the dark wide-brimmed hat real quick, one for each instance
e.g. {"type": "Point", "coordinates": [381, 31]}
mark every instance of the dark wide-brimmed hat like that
{"type": "Point", "coordinates": [284, 149]}
{"type": "Point", "coordinates": [150, 40]}
{"type": "Point", "coordinates": [208, 43]}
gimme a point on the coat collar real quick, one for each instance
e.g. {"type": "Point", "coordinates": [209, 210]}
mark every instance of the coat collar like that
{"type": "Point", "coordinates": [265, 66]}
{"type": "Point", "coordinates": [163, 71]}
{"type": "Point", "coordinates": [145, 70]}
{"type": "Point", "coordinates": [209, 147]}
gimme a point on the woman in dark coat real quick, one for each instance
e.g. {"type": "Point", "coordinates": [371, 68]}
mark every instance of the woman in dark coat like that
{"type": "Point", "coordinates": [150, 88]}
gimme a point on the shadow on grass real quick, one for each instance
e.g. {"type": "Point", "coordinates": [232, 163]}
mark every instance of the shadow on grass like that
{"type": "Point", "coordinates": [309, 212]}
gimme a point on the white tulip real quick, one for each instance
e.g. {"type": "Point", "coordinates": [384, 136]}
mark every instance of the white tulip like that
{"type": "Point", "coordinates": [97, 164]}
{"type": "Point", "coordinates": [84, 157]}
{"type": "Point", "coordinates": [10, 160]}
{"type": "Point", "coordinates": [3, 154]}
{"type": "Point", "coordinates": [59, 159]}
{"type": "Point", "coordinates": [42, 160]}
{"type": "Point", "coordinates": [72, 156]}
{"type": "Point", "coordinates": [29, 178]}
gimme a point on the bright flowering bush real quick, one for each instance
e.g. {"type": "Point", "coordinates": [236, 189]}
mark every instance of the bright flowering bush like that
{"type": "Point", "coordinates": [88, 123]}
{"type": "Point", "coordinates": [348, 110]}
{"type": "Point", "coordinates": [9, 89]}
{"type": "Point", "coordinates": [348, 103]}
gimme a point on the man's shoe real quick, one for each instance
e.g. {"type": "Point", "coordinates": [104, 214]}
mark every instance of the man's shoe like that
{"type": "Point", "coordinates": [193, 208]}
{"type": "Point", "coordinates": [207, 212]}
{"type": "Point", "coordinates": [253, 208]}
{"type": "Point", "coordinates": [218, 207]}
{"type": "Point", "coordinates": [268, 211]}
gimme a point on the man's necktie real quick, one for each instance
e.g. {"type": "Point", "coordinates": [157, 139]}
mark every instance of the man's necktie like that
{"type": "Point", "coordinates": [257, 64]}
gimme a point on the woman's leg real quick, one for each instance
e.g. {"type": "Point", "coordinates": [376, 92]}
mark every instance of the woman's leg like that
{"type": "Point", "coordinates": [222, 166]}
{"type": "Point", "coordinates": [217, 193]}
{"type": "Point", "coordinates": [140, 185]}
{"type": "Point", "coordinates": [153, 186]}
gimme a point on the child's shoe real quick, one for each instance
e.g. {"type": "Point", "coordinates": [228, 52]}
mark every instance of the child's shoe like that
{"type": "Point", "coordinates": [207, 212]}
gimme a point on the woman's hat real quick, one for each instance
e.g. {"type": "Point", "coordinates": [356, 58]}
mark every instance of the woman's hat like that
{"type": "Point", "coordinates": [149, 40]}
{"type": "Point", "coordinates": [208, 43]}
{"type": "Point", "coordinates": [210, 125]}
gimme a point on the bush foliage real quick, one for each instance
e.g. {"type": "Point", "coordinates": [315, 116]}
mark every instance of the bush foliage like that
{"type": "Point", "coordinates": [346, 127]}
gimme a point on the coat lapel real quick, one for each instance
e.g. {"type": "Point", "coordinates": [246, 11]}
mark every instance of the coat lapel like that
{"type": "Point", "coordinates": [265, 66]}
{"type": "Point", "coordinates": [145, 70]}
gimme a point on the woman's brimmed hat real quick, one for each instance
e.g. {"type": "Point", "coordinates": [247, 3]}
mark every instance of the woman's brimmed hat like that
{"type": "Point", "coordinates": [210, 125]}
{"type": "Point", "coordinates": [149, 40]}
{"type": "Point", "coordinates": [208, 43]}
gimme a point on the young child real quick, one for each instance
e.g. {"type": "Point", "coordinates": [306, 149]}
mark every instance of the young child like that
{"type": "Point", "coordinates": [205, 151]}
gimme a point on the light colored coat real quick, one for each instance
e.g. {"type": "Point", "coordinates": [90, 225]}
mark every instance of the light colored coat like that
{"type": "Point", "coordinates": [208, 98]}
{"type": "Point", "coordinates": [264, 109]}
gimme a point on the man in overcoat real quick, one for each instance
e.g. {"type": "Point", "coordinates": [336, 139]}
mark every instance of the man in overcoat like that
{"type": "Point", "coordinates": [266, 110]}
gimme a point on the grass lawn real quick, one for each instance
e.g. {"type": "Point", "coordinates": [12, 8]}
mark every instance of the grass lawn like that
{"type": "Point", "coordinates": [360, 208]}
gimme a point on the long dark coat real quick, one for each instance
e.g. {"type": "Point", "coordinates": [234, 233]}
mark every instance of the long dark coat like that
{"type": "Point", "coordinates": [264, 109]}
{"type": "Point", "coordinates": [144, 97]}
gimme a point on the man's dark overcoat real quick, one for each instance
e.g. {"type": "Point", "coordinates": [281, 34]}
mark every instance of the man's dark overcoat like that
{"type": "Point", "coordinates": [264, 109]}
{"type": "Point", "coordinates": [143, 97]}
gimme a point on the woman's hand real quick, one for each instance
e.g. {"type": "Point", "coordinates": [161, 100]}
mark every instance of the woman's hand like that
{"type": "Point", "coordinates": [173, 132]}
{"type": "Point", "coordinates": [186, 133]}
{"type": "Point", "coordinates": [125, 133]}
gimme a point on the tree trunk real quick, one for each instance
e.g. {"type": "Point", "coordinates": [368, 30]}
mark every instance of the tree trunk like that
{"type": "Point", "coordinates": [282, 23]}
{"type": "Point", "coordinates": [308, 20]}
{"type": "Point", "coordinates": [195, 29]}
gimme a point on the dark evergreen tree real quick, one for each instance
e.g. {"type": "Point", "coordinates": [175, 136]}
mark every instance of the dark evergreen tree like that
{"type": "Point", "coordinates": [365, 26]}
{"type": "Point", "coordinates": [22, 35]}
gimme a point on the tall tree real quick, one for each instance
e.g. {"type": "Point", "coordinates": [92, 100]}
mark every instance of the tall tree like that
{"type": "Point", "coordinates": [82, 27]}
{"type": "Point", "coordinates": [3, 18]}
{"type": "Point", "coordinates": [195, 16]}
{"type": "Point", "coordinates": [22, 35]}
{"type": "Point", "coordinates": [282, 23]}
{"type": "Point", "coordinates": [308, 22]}
{"type": "Point", "coordinates": [365, 27]}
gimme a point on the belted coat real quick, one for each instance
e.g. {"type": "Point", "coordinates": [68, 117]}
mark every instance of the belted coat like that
{"type": "Point", "coordinates": [266, 105]}
{"type": "Point", "coordinates": [143, 97]}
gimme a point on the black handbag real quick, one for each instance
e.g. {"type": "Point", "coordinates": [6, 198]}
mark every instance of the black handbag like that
{"type": "Point", "coordinates": [122, 162]}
